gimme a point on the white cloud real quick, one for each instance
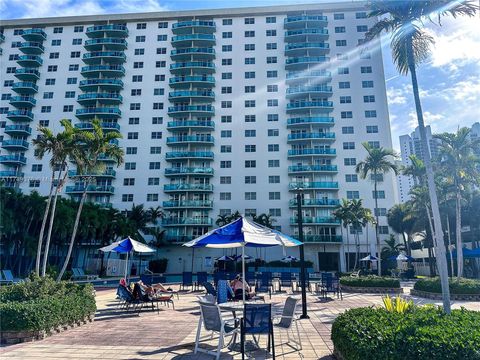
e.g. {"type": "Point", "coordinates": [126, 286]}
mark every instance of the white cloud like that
{"type": "Point", "coordinates": [396, 96]}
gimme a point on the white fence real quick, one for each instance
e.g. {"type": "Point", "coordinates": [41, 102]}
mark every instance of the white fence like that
{"type": "Point", "coordinates": [116, 267]}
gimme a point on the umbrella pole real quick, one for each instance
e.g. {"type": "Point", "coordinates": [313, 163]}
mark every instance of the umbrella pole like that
{"type": "Point", "coordinates": [126, 269]}
{"type": "Point", "coordinates": [243, 272]}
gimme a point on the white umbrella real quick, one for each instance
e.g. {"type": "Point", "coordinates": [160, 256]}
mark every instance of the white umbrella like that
{"type": "Point", "coordinates": [369, 258]}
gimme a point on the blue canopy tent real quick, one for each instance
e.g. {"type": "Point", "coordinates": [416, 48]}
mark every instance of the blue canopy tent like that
{"type": "Point", "coordinates": [242, 233]}
{"type": "Point", "coordinates": [468, 253]}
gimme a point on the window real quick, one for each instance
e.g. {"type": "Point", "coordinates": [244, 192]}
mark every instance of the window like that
{"type": "Point", "coordinates": [250, 163]}
{"type": "Point", "coordinates": [48, 95]}
{"type": "Point", "coordinates": [160, 77]}
{"type": "Point", "coordinates": [157, 106]}
{"type": "Point", "coordinates": [350, 145]}
{"type": "Point", "coordinates": [158, 120]}
{"type": "Point", "coordinates": [346, 114]}
{"type": "Point", "coordinates": [8, 83]}
{"type": "Point", "coordinates": [132, 135]}
{"type": "Point", "coordinates": [347, 130]}
{"type": "Point", "coordinates": [34, 183]}
{"type": "Point", "coordinates": [383, 230]}
{"type": "Point", "coordinates": [77, 42]}
{"type": "Point", "coordinates": [379, 177]}
{"type": "Point", "coordinates": [129, 181]}
{"type": "Point", "coordinates": [226, 89]}
{"type": "Point", "coordinates": [226, 62]}
{"type": "Point", "coordinates": [272, 88]}
{"type": "Point", "coordinates": [226, 119]}
{"type": "Point", "coordinates": [249, 21]}
{"type": "Point", "coordinates": [250, 133]}
{"type": "Point", "coordinates": [380, 194]}
{"type": "Point", "coordinates": [249, 89]}
{"type": "Point", "coordinates": [58, 30]}
{"type": "Point", "coordinates": [69, 94]}
{"type": "Point", "coordinates": [271, 59]}
{"type": "Point", "coordinates": [227, 35]}
{"type": "Point", "coordinates": [351, 178]}
{"type": "Point", "coordinates": [271, 19]}
{"type": "Point", "coordinates": [49, 81]}
{"type": "Point", "coordinates": [163, 25]}
{"type": "Point", "coordinates": [249, 74]}
{"type": "Point", "coordinates": [226, 104]}
{"type": "Point", "coordinates": [13, 57]}
{"type": "Point", "coordinates": [136, 92]}
{"type": "Point", "coordinates": [51, 68]}
{"type": "Point", "coordinates": [37, 167]}
{"type": "Point", "coordinates": [272, 102]}
{"type": "Point", "coordinates": [75, 54]}
{"type": "Point", "coordinates": [341, 42]}
{"type": "Point", "coordinates": [73, 67]}
{"type": "Point", "coordinates": [338, 16]}
{"type": "Point", "coordinates": [367, 84]}
{"type": "Point", "coordinates": [133, 121]}
{"type": "Point", "coordinates": [274, 195]}
{"type": "Point", "coordinates": [353, 195]}
{"type": "Point", "coordinates": [226, 48]}
{"type": "Point", "coordinates": [250, 118]}
{"type": "Point", "coordinates": [273, 147]}
{"type": "Point", "coordinates": [372, 129]}
{"type": "Point", "coordinates": [250, 179]}
{"type": "Point", "coordinates": [374, 144]}
{"type": "Point", "coordinates": [370, 113]}
{"type": "Point", "coordinates": [226, 148]}
{"type": "Point", "coordinates": [366, 69]}
{"type": "Point", "coordinates": [135, 106]}
{"type": "Point", "coordinates": [161, 51]}
{"type": "Point", "coordinates": [155, 149]}
{"type": "Point", "coordinates": [139, 52]}
{"type": "Point", "coordinates": [46, 109]}
{"type": "Point", "coordinates": [343, 71]}
{"type": "Point", "coordinates": [271, 46]}
{"type": "Point", "coordinates": [250, 195]}
{"type": "Point", "coordinates": [138, 65]}
{"type": "Point", "coordinates": [131, 150]}
{"type": "Point", "coordinates": [225, 164]}
{"type": "Point", "coordinates": [225, 196]}
{"type": "Point", "coordinates": [345, 99]}
{"type": "Point", "coordinates": [226, 76]}
{"type": "Point", "coordinates": [361, 15]}
{"type": "Point", "coordinates": [153, 181]}
{"type": "Point", "coordinates": [158, 91]}
{"type": "Point", "coordinates": [272, 73]}
{"type": "Point", "coordinates": [249, 103]}
{"type": "Point", "coordinates": [249, 47]}
{"type": "Point", "coordinates": [274, 179]}
{"type": "Point", "coordinates": [380, 212]}
{"type": "Point", "coordinates": [250, 148]}
{"type": "Point", "coordinates": [369, 98]}
{"type": "Point", "coordinates": [250, 33]}
{"type": "Point", "coordinates": [71, 81]}
{"type": "Point", "coordinates": [154, 165]}
{"type": "Point", "coordinates": [249, 61]}
{"type": "Point", "coordinates": [152, 197]}
{"type": "Point", "coordinates": [226, 133]}
{"type": "Point", "coordinates": [67, 108]}
{"type": "Point", "coordinates": [137, 78]}
{"type": "Point", "coordinates": [344, 84]}
{"type": "Point", "coordinates": [350, 161]}
{"type": "Point", "coordinates": [271, 32]}
{"type": "Point", "coordinates": [156, 134]}
{"type": "Point", "coordinates": [140, 38]}
{"type": "Point", "coordinates": [362, 28]}
{"type": "Point", "coordinates": [339, 29]}
{"type": "Point", "coordinates": [273, 163]}
{"type": "Point", "coordinates": [225, 179]}
{"type": "Point", "coordinates": [78, 28]}
{"type": "Point", "coordinates": [272, 117]}
{"type": "Point", "coordinates": [54, 55]}
{"type": "Point", "coordinates": [141, 26]}
{"type": "Point", "coordinates": [127, 197]}
{"type": "Point", "coordinates": [227, 22]}
{"type": "Point", "coordinates": [130, 166]}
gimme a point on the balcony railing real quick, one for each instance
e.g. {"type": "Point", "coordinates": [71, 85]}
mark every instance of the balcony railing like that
{"type": "Point", "coordinates": [309, 89]}
{"type": "Point", "coordinates": [304, 18]}
{"type": "Point", "coordinates": [313, 185]}
{"type": "Point", "coordinates": [308, 31]}
{"type": "Point", "coordinates": [32, 47]}
{"type": "Point", "coordinates": [189, 154]}
{"type": "Point", "coordinates": [316, 202]}
{"type": "Point", "coordinates": [23, 101]}
{"type": "Point", "coordinates": [25, 87]}
{"type": "Point", "coordinates": [311, 120]}
{"type": "Point", "coordinates": [292, 75]}
{"type": "Point", "coordinates": [322, 238]}
{"type": "Point", "coordinates": [13, 159]}
{"type": "Point", "coordinates": [188, 80]}
{"type": "Point", "coordinates": [27, 74]}
{"type": "Point", "coordinates": [116, 70]}
{"type": "Point", "coordinates": [106, 173]}
{"type": "Point", "coordinates": [112, 43]}
{"type": "Point", "coordinates": [305, 60]}
{"type": "Point", "coordinates": [102, 97]}
{"type": "Point", "coordinates": [200, 109]}
{"type": "Point", "coordinates": [310, 105]}
{"type": "Point", "coordinates": [189, 170]}
{"type": "Point", "coordinates": [194, 23]}
{"type": "Point", "coordinates": [312, 168]}
{"type": "Point", "coordinates": [108, 189]}
{"type": "Point", "coordinates": [20, 115]}
{"type": "Point", "coordinates": [315, 220]}
{"type": "Point", "coordinates": [312, 136]}
{"type": "Point", "coordinates": [109, 56]}
{"type": "Point", "coordinates": [310, 151]}
{"type": "Point", "coordinates": [94, 83]}
{"type": "Point", "coordinates": [194, 37]}
{"type": "Point", "coordinates": [190, 139]}
{"type": "Point", "coordinates": [34, 35]}
{"type": "Point", "coordinates": [18, 144]}
{"type": "Point", "coordinates": [187, 221]}
{"type": "Point", "coordinates": [18, 130]}
{"type": "Point", "coordinates": [196, 52]}
{"type": "Point", "coordinates": [190, 124]}
{"type": "Point", "coordinates": [188, 204]}
{"type": "Point", "coordinates": [105, 126]}
{"type": "Point", "coordinates": [197, 65]}
{"type": "Point", "coordinates": [188, 187]}
{"type": "Point", "coordinates": [101, 111]}
{"type": "Point", "coordinates": [194, 94]}
{"type": "Point", "coordinates": [30, 60]}
{"type": "Point", "coordinates": [11, 174]}
{"type": "Point", "coordinates": [110, 30]}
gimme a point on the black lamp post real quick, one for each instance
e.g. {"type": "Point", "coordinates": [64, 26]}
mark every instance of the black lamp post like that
{"type": "Point", "coordinates": [302, 257]}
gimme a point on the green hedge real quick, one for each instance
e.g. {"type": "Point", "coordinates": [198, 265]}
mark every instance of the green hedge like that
{"type": "Point", "coordinates": [370, 281]}
{"type": "Point", "coordinates": [42, 304]}
{"type": "Point", "coordinates": [464, 286]}
{"type": "Point", "coordinates": [422, 333]}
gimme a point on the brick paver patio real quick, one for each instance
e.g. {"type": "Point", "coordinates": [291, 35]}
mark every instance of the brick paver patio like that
{"type": "Point", "coordinates": [171, 333]}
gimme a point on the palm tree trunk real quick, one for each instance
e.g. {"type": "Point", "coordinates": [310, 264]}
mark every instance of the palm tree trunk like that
{"type": "Point", "coordinates": [74, 233]}
{"type": "Point", "coordinates": [50, 225]}
{"type": "Point", "coordinates": [357, 245]}
{"type": "Point", "coordinates": [405, 242]}
{"type": "Point", "coordinates": [348, 250]}
{"type": "Point", "coordinates": [44, 223]}
{"type": "Point", "coordinates": [438, 234]}
{"type": "Point", "coordinates": [377, 235]}
{"type": "Point", "coordinates": [458, 233]}
{"type": "Point", "coordinates": [450, 246]}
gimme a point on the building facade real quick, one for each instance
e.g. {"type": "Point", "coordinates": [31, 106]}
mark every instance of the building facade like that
{"type": "Point", "coordinates": [220, 110]}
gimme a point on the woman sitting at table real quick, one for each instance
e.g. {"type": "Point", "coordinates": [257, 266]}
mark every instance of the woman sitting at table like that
{"type": "Point", "coordinates": [237, 285]}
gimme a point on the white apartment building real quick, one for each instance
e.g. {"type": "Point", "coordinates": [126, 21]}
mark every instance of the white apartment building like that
{"type": "Point", "coordinates": [220, 110]}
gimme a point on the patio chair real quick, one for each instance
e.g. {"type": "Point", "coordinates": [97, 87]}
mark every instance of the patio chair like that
{"type": "Point", "coordinates": [307, 281]}
{"type": "Point", "coordinates": [332, 285]}
{"type": "Point", "coordinates": [210, 289]}
{"type": "Point", "coordinates": [250, 277]}
{"type": "Point", "coordinates": [355, 273]}
{"type": "Point", "coordinates": [211, 320]}
{"type": "Point", "coordinates": [257, 320]}
{"type": "Point", "coordinates": [187, 279]}
{"type": "Point", "coordinates": [9, 278]}
{"type": "Point", "coordinates": [285, 279]}
{"type": "Point", "coordinates": [287, 319]}
{"type": "Point", "coordinates": [127, 300]}
{"type": "Point", "coordinates": [158, 297]}
{"type": "Point", "coordinates": [263, 285]}
{"type": "Point", "coordinates": [208, 298]}
{"type": "Point", "coordinates": [202, 277]}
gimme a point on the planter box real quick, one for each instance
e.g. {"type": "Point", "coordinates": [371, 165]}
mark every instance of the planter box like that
{"type": "Point", "coordinates": [437, 296]}
{"type": "Point", "coordinates": [371, 290]}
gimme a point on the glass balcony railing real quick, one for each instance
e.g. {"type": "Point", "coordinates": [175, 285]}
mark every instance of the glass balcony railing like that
{"type": "Point", "coordinates": [188, 187]}
{"type": "Point", "coordinates": [29, 60]}
{"type": "Point", "coordinates": [313, 32]}
{"type": "Point", "coordinates": [190, 124]}
{"type": "Point", "coordinates": [312, 136]}
{"type": "Point", "coordinates": [189, 154]}
{"type": "Point", "coordinates": [99, 111]}
{"type": "Point", "coordinates": [25, 87]}
{"type": "Point", "coordinates": [294, 62]}
{"type": "Point", "coordinates": [302, 75]}
{"type": "Point", "coordinates": [203, 38]}
{"type": "Point", "coordinates": [110, 30]}
{"type": "Point", "coordinates": [13, 160]}
{"type": "Point", "coordinates": [20, 115]}
{"type": "Point", "coordinates": [209, 110]}
{"type": "Point", "coordinates": [107, 70]}
{"type": "Point", "coordinates": [316, 202]}
{"type": "Point", "coordinates": [195, 52]}
{"type": "Point", "coordinates": [312, 168]}
{"type": "Point", "coordinates": [310, 120]}
{"type": "Point", "coordinates": [315, 220]}
{"type": "Point", "coordinates": [198, 66]}
{"type": "Point", "coordinates": [104, 189]}
{"type": "Point", "coordinates": [34, 35]}
{"type": "Point", "coordinates": [189, 171]}
{"type": "Point", "coordinates": [188, 204]}
{"type": "Point", "coordinates": [31, 47]}
{"type": "Point", "coordinates": [313, 185]}
{"type": "Point", "coordinates": [93, 84]}
{"type": "Point", "coordinates": [206, 24]}
{"type": "Point", "coordinates": [17, 144]}
{"type": "Point", "coordinates": [313, 47]}
{"type": "Point", "coordinates": [106, 126]}
{"type": "Point", "coordinates": [187, 221]}
{"type": "Point", "coordinates": [23, 130]}
{"type": "Point", "coordinates": [11, 174]}
{"type": "Point", "coordinates": [322, 238]}
{"type": "Point", "coordinates": [192, 80]}
{"type": "Point", "coordinates": [23, 101]}
{"type": "Point", "coordinates": [308, 105]}
{"type": "Point", "coordinates": [309, 151]}
{"type": "Point", "coordinates": [194, 94]}
{"type": "Point", "coordinates": [108, 56]}
{"type": "Point", "coordinates": [103, 97]}
{"type": "Point", "coordinates": [106, 173]}
{"type": "Point", "coordinates": [305, 18]}
{"type": "Point", "coordinates": [111, 43]}
{"type": "Point", "coordinates": [27, 74]}
{"type": "Point", "coordinates": [298, 91]}
{"type": "Point", "coordinates": [190, 139]}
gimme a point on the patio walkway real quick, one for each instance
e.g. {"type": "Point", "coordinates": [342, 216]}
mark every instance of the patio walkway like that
{"type": "Point", "coordinates": [171, 333]}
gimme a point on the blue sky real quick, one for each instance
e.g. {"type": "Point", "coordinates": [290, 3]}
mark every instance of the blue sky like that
{"type": "Point", "coordinates": [449, 80]}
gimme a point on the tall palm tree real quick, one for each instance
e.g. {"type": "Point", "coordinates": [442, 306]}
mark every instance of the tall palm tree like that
{"type": "Point", "coordinates": [410, 46]}
{"type": "Point", "coordinates": [222, 219]}
{"type": "Point", "coordinates": [378, 162]}
{"type": "Point", "coordinates": [402, 220]}
{"type": "Point", "coordinates": [416, 169]}
{"type": "Point", "coordinates": [155, 213]}
{"type": "Point", "coordinates": [360, 217]}
{"type": "Point", "coordinates": [343, 213]}
{"type": "Point", "coordinates": [460, 166]}
{"type": "Point", "coordinates": [89, 147]}
{"type": "Point", "coordinates": [60, 147]}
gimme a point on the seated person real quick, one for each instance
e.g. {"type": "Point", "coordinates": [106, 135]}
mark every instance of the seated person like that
{"type": "Point", "coordinates": [150, 290]}
{"type": "Point", "coordinates": [237, 285]}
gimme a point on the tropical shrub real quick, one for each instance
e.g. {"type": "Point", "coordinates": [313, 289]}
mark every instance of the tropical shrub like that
{"type": "Point", "coordinates": [462, 286]}
{"type": "Point", "coordinates": [421, 333]}
{"type": "Point", "coordinates": [397, 304]}
{"type": "Point", "coordinates": [370, 281]}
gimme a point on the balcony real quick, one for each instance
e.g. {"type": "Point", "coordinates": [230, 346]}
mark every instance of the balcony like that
{"type": "Point", "coordinates": [297, 63]}
{"type": "Point", "coordinates": [307, 106]}
{"type": "Point", "coordinates": [100, 112]}
{"type": "Point", "coordinates": [301, 77]}
{"type": "Point", "coordinates": [23, 101]}
{"type": "Point", "coordinates": [177, 155]}
{"type": "Point", "coordinates": [104, 70]}
{"type": "Point", "coordinates": [29, 60]}
{"type": "Point", "coordinates": [302, 121]}
{"type": "Point", "coordinates": [316, 203]}
{"type": "Point", "coordinates": [31, 48]}
{"type": "Point", "coordinates": [306, 35]}
{"type": "Point", "coordinates": [105, 43]}
{"type": "Point", "coordinates": [96, 57]}
{"type": "Point", "coordinates": [193, 39]}
{"type": "Point", "coordinates": [109, 173]}
{"type": "Point", "coordinates": [193, 53]}
{"type": "Point", "coordinates": [14, 160]}
{"type": "Point", "coordinates": [2, 38]}
{"type": "Point", "coordinates": [27, 74]}
{"type": "Point", "coordinates": [304, 136]}
{"type": "Point", "coordinates": [18, 130]}
{"type": "Point", "coordinates": [189, 204]}
{"type": "Point", "coordinates": [309, 152]}
{"type": "Point", "coordinates": [294, 22]}
{"type": "Point", "coordinates": [178, 238]}
{"type": "Point", "coordinates": [11, 174]}
{"type": "Point", "coordinates": [195, 95]}
{"type": "Point", "coordinates": [320, 185]}
{"type": "Point", "coordinates": [25, 87]}
{"type": "Point", "coordinates": [20, 115]}
{"type": "Point", "coordinates": [191, 124]}
{"type": "Point", "coordinates": [194, 139]}
{"type": "Point", "coordinates": [34, 35]}
{"type": "Point", "coordinates": [15, 145]}
{"type": "Point", "coordinates": [91, 189]}
{"type": "Point", "coordinates": [188, 187]}
{"type": "Point", "coordinates": [316, 221]}
{"type": "Point", "coordinates": [195, 81]}
{"type": "Point", "coordinates": [297, 49]}
{"type": "Point", "coordinates": [112, 30]}
{"type": "Point", "coordinates": [303, 91]}
{"type": "Point", "coordinates": [299, 169]}
{"type": "Point", "coordinates": [103, 98]}
{"type": "Point", "coordinates": [195, 110]}
{"type": "Point", "coordinates": [175, 171]}
{"type": "Point", "coordinates": [108, 84]}
{"type": "Point", "coordinates": [187, 221]}
{"type": "Point", "coordinates": [106, 126]}
{"type": "Point", "coordinates": [198, 67]}
{"type": "Point", "coordinates": [322, 238]}
{"type": "Point", "coordinates": [105, 158]}
{"type": "Point", "coordinates": [198, 26]}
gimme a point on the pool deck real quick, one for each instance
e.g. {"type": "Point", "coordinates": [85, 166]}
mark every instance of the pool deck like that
{"type": "Point", "coordinates": [170, 334]}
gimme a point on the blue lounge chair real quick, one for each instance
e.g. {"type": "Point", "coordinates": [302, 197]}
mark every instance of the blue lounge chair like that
{"type": "Point", "coordinates": [187, 279]}
{"type": "Point", "coordinates": [210, 289]}
{"type": "Point", "coordinates": [202, 277]}
{"type": "Point", "coordinates": [9, 278]}
{"type": "Point", "coordinates": [285, 279]}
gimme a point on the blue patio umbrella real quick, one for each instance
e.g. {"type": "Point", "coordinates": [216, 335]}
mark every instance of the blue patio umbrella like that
{"type": "Point", "coordinates": [242, 233]}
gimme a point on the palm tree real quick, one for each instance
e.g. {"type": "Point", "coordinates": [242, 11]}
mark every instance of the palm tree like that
{"type": "Point", "coordinates": [402, 220]}
{"type": "Point", "coordinates": [416, 169]}
{"type": "Point", "coordinates": [155, 213]}
{"type": "Point", "coordinates": [222, 219]}
{"type": "Point", "coordinates": [359, 218]}
{"type": "Point", "coordinates": [60, 147]}
{"type": "Point", "coordinates": [266, 220]}
{"type": "Point", "coordinates": [377, 163]}
{"type": "Point", "coordinates": [90, 146]}
{"type": "Point", "coordinates": [392, 248]}
{"type": "Point", "coordinates": [460, 166]}
{"type": "Point", "coordinates": [410, 46]}
{"type": "Point", "coordinates": [343, 213]}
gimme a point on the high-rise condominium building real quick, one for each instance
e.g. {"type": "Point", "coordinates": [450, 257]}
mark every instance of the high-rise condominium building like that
{"type": "Point", "coordinates": [220, 110]}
